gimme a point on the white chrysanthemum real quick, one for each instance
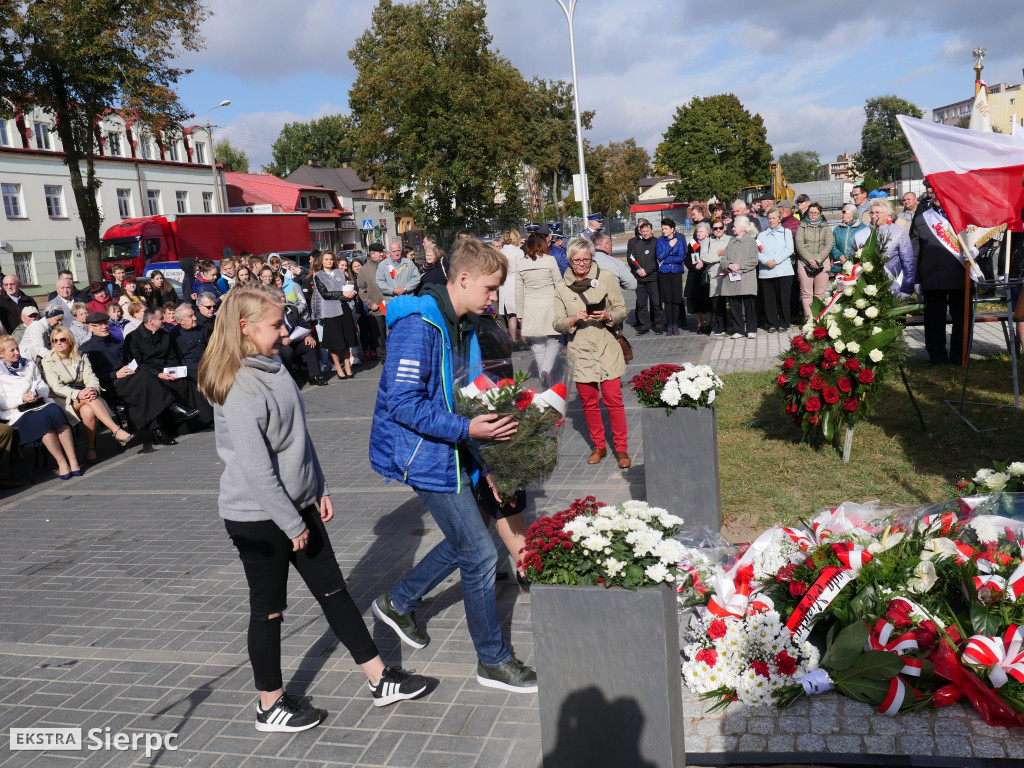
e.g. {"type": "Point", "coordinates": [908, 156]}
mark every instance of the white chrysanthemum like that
{"type": "Point", "coordinates": [870, 290]}
{"type": "Point", "coordinates": [711, 397]}
{"type": "Point", "coordinates": [860, 303]}
{"type": "Point", "coordinates": [657, 573]}
{"type": "Point", "coordinates": [633, 506]}
{"type": "Point", "coordinates": [858, 321]}
{"type": "Point", "coordinates": [876, 355]}
{"type": "Point", "coordinates": [997, 481]}
{"type": "Point", "coordinates": [669, 551]}
{"type": "Point", "coordinates": [987, 531]}
{"type": "Point", "coordinates": [643, 542]}
{"type": "Point", "coordinates": [613, 567]}
{"type": "Point", "coordinates": [668, 520]}
{"type": "Point", "coordinates": [595, 542]}
{"type": "Point", "coordinates": [850, 312]}
{"type": "Point", "coordinates": [853, 347]}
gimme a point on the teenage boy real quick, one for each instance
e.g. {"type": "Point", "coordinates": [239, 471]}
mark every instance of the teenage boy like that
{"type": "Point", "coordinates": [418, 438]}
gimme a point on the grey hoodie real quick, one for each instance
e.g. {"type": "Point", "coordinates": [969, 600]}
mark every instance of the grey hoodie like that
{"type": "Point", "coordinates": [270, 468]}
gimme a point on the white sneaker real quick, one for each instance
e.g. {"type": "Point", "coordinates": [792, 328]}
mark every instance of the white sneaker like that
{"type": "Point", "coordinates": [736, 336]}
{"type": "Point", "coordinates": [751, 335]}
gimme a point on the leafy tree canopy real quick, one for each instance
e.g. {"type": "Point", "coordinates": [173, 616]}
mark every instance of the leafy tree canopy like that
{"type": "Point", "coordinates": [79, 59]}
{"type": "Point", "coordinates": [715, 147]}
{"type": "Point", "coordinates": [436, 112]}
{"type": "Point", "coordinates": [800, 166]}
{"type": "Point", "coordinates": [881, 138]}
{"type": "Point", "coordinates": [231, 157]}
{"type": "Point", "coordinates": [325, 140]}
{"type": "Point", "coordinates": [614, 173]}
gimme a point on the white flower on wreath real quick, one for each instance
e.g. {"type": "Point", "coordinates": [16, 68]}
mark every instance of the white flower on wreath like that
{"type": "Point", "coordinates": [938, 548]}
{"type": "Point", "coordinates": [850, 312]}
{"type": "Point", "coordinates": [839, 345]}
{"type": "Point", "coordinates": [985, 529]}
{"type": "Point", "coordinates": [848, 291]}
{"type": "Point", "coordinates": [924, 577]}
{"type": "Point", "coordinates": [875, 329]}
{"type": "Point", "coordinates": [888, 541]}
{"type": "Point", "coordinates": [876, 355]}
{"type": "Point", "coordinates": [870, 290]}
{"type": "Point", "coordinates": [853, 347]}
{"type": "Point", "coordinates": [871, 312]}
{"type": "Point", "coordinates": [848, 266]}
{"type": "Point", "coordinates": [657, 573]}
{"type": "Point", "coordinates": [860, 303]}
{"type": "Point", "coordinates": [858, 321]}
{"type": "Point", "coordinates": [997, 481]}
{"type": "Point", "coordinates": [868, 267]}
{"type": "Point", "coordinates": [1016, 468]}
{"type": "Point", "coordinates": [983, 474]}
{"type": "Point", "coordinates": [834, 332]}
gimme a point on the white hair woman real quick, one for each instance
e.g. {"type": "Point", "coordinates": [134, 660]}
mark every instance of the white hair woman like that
{"type": "Point", "coordinates": [740, 260]}
{"type": "Point", "coordinates": [844, 237]}
{"type": "Point", "coordinates": [894, 240]}
{"type": "Point", "coordinates": [275, 501]}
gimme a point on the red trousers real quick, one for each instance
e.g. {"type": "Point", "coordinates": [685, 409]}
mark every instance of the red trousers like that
{"type": "Point", "coordinates": [611, 392]}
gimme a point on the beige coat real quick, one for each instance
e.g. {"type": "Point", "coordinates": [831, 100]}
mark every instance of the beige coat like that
{"type": "Point", "coordinates": [507, 291]}
{"type": "Point", "coordinates": [535, 289]}
{"type": "Point", "coordinates": [65, 377]}
{"type": "Point", "coordinates": [709, 249]}
{"type": "Point", "coordinates": [594, 353]}
{"type": "Point", "coordinates": [814, 241]}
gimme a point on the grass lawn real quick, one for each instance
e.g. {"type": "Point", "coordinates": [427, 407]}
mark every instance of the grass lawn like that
{"type": "Point", "coordinates": [768, 477]}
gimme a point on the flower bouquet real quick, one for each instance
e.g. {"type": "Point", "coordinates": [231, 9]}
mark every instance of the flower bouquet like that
{"type": "Point", "coordinates": [670, 386]}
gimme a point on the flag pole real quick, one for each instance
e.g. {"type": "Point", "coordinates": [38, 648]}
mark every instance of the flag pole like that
{"type": "Point", "coordinates": [979, 58]}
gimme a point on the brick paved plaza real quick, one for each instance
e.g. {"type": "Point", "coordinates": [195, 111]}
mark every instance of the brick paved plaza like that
{"type": "Point", "coordinates": [125, 607]}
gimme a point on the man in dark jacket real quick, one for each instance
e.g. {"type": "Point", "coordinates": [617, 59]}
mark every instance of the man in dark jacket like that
{"type": "Point", "coordinates": [190, 341]}
{"type": "Point", "coordinates": [642, 258]}
{"type": "Point", "coordinates": [12, 302]}
{"type": "Point", "coordinates": [940, 273]}
{"type": "Point", "coordinates": [371, 295]}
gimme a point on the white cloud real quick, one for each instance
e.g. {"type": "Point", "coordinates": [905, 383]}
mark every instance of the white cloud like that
{"type": "Point", "coordinates": [256, 132]}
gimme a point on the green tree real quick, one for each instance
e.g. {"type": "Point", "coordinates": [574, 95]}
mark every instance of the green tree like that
{"type": "Point", "coordinates": [881, 138]}
{"type": "Point", "coordinates": [715, 147]}
{"type": "Point", "coordinates": [79, 59]}
{"type": "Point", "coordinates": [800, 166]}
{"type": "Point", "coordinates": [231, 157]}
{"type": "Point", "coordinates": [325, 140]}
{"type": "Point", "coordinates": [614, 173]}
{"type": "Point", "coordinates": [436, 112]}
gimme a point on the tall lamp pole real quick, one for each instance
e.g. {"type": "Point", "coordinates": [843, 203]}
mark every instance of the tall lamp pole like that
{"type": "Point", "coordinates": [569, 10]}
{"type": "Point", "coordinates": [221, 204]}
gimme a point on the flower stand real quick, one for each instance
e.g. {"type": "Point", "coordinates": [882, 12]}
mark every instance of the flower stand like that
{"type": "Point", "coordinates": [681, 464]}
{"type": "Point", "coordinates": [608, 674]}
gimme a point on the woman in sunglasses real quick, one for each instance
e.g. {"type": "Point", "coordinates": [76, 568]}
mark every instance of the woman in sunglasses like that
{"type": "Point", "coordinates": [712, 249]}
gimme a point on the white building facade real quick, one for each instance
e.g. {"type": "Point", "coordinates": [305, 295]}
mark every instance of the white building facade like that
{"type": "Point", "coordinates": [141, 173]}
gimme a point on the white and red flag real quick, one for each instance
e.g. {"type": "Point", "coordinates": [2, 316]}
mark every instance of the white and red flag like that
{"type": "Point", "coordinates": [976, 175]}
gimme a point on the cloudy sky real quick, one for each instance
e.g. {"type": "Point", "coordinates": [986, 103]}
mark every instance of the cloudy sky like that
{"type": "Point", "coordinates": [807, 70]}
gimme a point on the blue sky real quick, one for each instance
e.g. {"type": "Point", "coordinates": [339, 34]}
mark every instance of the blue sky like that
{"type": "Point", "coordinates": [807, 70]}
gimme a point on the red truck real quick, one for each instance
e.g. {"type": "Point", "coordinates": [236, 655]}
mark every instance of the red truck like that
{"type": "Point", "coordinates": [165, 240]}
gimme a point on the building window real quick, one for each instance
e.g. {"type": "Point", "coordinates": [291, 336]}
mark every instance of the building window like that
{"type": "Point", "coordinates": [207, 202]}
{"type": "Point", "coordinates": [54, 201]}
{"type": "Point", "coordinates": [200, 153]}
{"type": "Point", "coordinates": [124, 203]}
{"type": "Point", "coordinates": [181, 198]}
{"type": "Point", "coordinates": [42, 136]}
{"type": "Point", "coordinates": [1012, 102]}
{"type": "Point", "coordinates": [114, 144]}
{"type": "Point", "coordinates": [153, 201]}
{"type": "Point", "coordinates": [4, 140]}
{"type": "Point", "coordinates": [303, 203]}
{"type": "Point", "coordinates": [24, 268]}
{"type": "Point", "coordinates": [64, 261]}
{"type": "Point", "coordinates": [172, 151]}
{"type": "Point", "coordinates": [12, 201]}
{"type": "Point", "coordinates": [145, 149]}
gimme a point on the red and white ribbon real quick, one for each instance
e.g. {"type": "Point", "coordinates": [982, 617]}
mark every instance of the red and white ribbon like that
{"type": "Point", "coordinates": [846, 281]}
{"type": "Point", "coordinates": [895, 697]}
{"type": "Point", "coordinates": [760, 603]}
{"type": "Point", "coordinates": [945, 522]}
{"type": "Point", "coordinates": [1001, 656]}
{"type": "Point", "coordinates": [478, 386]}
{"type": "Point", "coordinates": [853, 556]}
{"type": "Point", "coordinates": [990, 583]}
{"type": "Point", "coordinates": [730, 600]}
{"type": "Point", "coordinates": [687, 567]}
{"type": "Point", "coordinates": [881, 639]}
{"type": "Point", "coordinates": [1015, 584]}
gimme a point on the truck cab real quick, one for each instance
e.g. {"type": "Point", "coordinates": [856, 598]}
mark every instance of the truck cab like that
{"type": "Point", "coordinates": [136, 242]}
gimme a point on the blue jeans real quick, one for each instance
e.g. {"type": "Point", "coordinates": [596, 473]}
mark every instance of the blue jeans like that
{"type": "Point", "coordinates": [467, 546]}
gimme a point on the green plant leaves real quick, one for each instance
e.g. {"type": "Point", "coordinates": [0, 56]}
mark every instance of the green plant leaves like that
{"type": "Point", "coordinates": [880, 340]}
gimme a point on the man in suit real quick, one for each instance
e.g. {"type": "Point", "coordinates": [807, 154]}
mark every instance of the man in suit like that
{"type": "Point", "coordinates": [12, 302]}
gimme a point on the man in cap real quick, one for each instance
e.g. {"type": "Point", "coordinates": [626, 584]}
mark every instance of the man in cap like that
{"type": "Point", "coordinates": [372, 296]}
{"type": "Point", "coordinates": [789, 221]}
{"type": "Point", "coordinates": [28, 316]}
{"type": "Point", "coordinates": [12, 302]}
{"type": "Point", "coordinates": [803, 202]}
{"type": "Point", "coordinates": [555, 247]}
{"type": "Point", "coordinates": [593, 226]}
{"type": "Point", "coordinates": [36, 341]}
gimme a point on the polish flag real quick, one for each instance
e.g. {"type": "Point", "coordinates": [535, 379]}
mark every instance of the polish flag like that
{"type": "Point", "coordinates": [480, 384]}
{"type": "Point", "coordinates": [554, 397]}
{"type": "Point", "coordinates": [976, 175]}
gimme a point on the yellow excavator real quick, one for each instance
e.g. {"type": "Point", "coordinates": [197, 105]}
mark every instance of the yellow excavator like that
{"type": "Point", "coordinates": [779, 188]}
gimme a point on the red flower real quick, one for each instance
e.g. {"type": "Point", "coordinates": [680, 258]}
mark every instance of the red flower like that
{"type": "Point", "coordinates": [785, 573]}
{"type": "Point", "coordinates": [926, 634]}
{"type": "Point", "coordinates": [524, 398]}
{"type": "Point", "coordinates": [812, 405]}
{"type": "Point", "coordinates": [827, 366]}
{"type": "Point", "coordinates": [566, 545]}
{"type": "Point", "coordinates": [850, 405]}
{"type": "Point", "coordinates": [820, 332]}
{"type": "Point", "coordinates": [831, 395]}
{"type": "Point", "coordinates": [788, 363]}
{"type": "Point", "coordinates": [792, 408]}
{"type": "Point", "coordinates": [716, 629]}
{"type": "Point", "coordinates": [813, 421]}
{"type": "Point", "coordinates": [852, 364]}
{"type": "Point", "coordinates": [708, 655]}
{"type": "Point", "coordinates": [806, 371]}
{"type": "Point", "coordinates": [831, 355]}
{"type": "Point", "coordinates": [797, 342]}
{"type": "Point", "coordinates": [797, 588]}
{"type": "Point", "coordinates": [761, 668]}
{"type": "Point", "coordinates": [866, 376]}
{"type": "Point", "coordinates": [782, 380]}
{"type": "Point", "coordinates": [817, 381]}
{"type": "Point", "coordinates": [801, 386]}
{"type": "Point", "coordinates": [898, 614]}
{"type": "Point", "coordinates": [844, 384]}
{"type": "Point", "coordinates": [785, 663]}
{"type": "Point", "coordinates": [505, 383]}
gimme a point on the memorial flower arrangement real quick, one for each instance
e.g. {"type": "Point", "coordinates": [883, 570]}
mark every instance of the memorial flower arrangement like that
{"type": "Point", "coordinates": [532, 452]}
{"type": "Point", "coordinates": [831, 371]}
{"type": "Point", "coordinates": [1002, 477]}
{"type": "Point", "coordinates": [907, 608]}
{"type": "Point", "coordinates": [671, 386]}
{"type": "Point", "coordinates": [629, 545]}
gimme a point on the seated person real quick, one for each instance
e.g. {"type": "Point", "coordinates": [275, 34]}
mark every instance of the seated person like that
{"type": "Point", "coordinates": [296, 318]}
{"type": "Point", "coordinates": [153, 401]}
{"type": "Point", "coordinates": [6, 446]}
{"type": "Point", "coordinates": [29, 315]}
{"type": "Point", "coordinates": [206, 315]}
{"type": "Point", "coordinates": [100, 298]}
{"type": "Point", "coordinates": [79, 312]}
{"type": "Point", "coordinates": [206, 280]}
{"type": "Point", "coordinates": [135, 312]}
{"type": "Point", "coordinates": [190, 341]}
{"type": "Point", "coordinates": [35, 343]}
{"type": "Point", "coordinates": [116, 320]}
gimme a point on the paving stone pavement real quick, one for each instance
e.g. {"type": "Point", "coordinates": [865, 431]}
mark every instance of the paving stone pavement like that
{"type": "Point", "coordinates": [125, 608]}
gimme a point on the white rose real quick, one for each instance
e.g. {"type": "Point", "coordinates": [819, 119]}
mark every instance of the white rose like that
{"type": "Point", "coordinates": [871, 312]}
{"type": "Point", "coordinates": [834, 332]}
{"type": "Point", "coordinates": [840, 346]}
{"type": "Point", "coordinates": [868, 267]}
{"type": "Point", "coordinates": [997, 481]}
{"type": "Point", "coordinates": [848, 291]}
{"type": "Point", "coordinates": [853, 347]}
{"type": "Point", "coordinates": [848, 266]}
{"type": "Point", "coordinates": [850, 312]}
{"type": "Point", "coordinates": [870, 290]}
{"type": "Point", "coordinates": [858, 321]}
{"type": "Point", "coordinates": [875, 355]}
{"type": "Point", "coordinates": [1016, 468]}
{"type": "Point", "coordinates": [860, 303]}
{"type": "Point", "coordinates": [983, 475]}
{"type": "Point", "coordinates": [875, 329]}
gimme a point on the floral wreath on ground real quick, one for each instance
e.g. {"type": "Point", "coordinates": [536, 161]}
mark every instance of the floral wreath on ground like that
{"type": "Point", "coordinates": [671, 386]}
{"type": "Point", "coordinates": [833, 368]}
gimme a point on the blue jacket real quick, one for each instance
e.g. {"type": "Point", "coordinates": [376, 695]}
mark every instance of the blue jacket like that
{"type": "Point", "coordinates": [560, 256]}
{"type": "Point", "coordinates": [776, 245]}
{"type": "Point", "coordinates": [415, 432]}
{"type": "Point", "coordinates": [670, 259]}
{"type": "Point", "coordinates": [843, 237]}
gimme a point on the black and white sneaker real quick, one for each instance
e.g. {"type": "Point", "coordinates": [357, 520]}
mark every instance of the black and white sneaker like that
{"type": "Point", "coordinates": [396, 685]}
{"type": "Point", "coordinates": [288, 715]}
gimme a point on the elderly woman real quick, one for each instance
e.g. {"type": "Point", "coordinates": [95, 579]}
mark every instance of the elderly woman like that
{"type": "Point", "coordinates": [844, 237]}
{"type": "Point", "coordinates": [588, 305]}
{"type": "Point", "coordinates": [80, 311]}
{"type": "Point", "coordinates": [671, 252]}
{"type": "Point", "coordinates": [740, 281]}
{"type": "Point", "coordinates": [813, 243]}
{"type": "Point", "coordinates": [25, 405]}
{"type": "Point", "coordinates": [76, 389]}
{"type": "Point", "coordinates": [697, 289]}
{"type": "Point", "coordinates": [774, 281]}
{"type": "Point", "coordinates": [711, 252]}
{"type": "Point", "coordinates": [894, 242]}
{"type": "Point", "coordinates": [434, 268]}
{"type": "Point", "coordinates": [510, 240]}
{"type": "Point", "coordinates": [536, 279]}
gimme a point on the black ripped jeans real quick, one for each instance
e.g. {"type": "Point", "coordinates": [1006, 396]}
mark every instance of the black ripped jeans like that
{"type": "Point", "coordinates": [266, 552]}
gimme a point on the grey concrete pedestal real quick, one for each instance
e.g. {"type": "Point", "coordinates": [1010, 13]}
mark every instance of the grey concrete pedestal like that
{"type": "Point", "coordinates": [681, 464]}
{"type": "Point", "coordinates": [610, 688]}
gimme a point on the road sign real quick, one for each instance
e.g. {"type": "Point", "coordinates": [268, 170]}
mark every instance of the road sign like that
{"type": "Point", "coordinates": [367, 224]}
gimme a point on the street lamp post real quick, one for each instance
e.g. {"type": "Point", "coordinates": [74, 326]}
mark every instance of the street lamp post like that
{"type": "Point", "coordinates": [221, 204]}
{"type": "Point", "coordinates": [569, 10]}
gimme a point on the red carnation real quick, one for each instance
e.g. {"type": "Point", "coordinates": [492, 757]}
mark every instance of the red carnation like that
{"type": "Point", "coordinates": [505, 383]}
{"type": "Point", "coordinates": [806, 370]}
{"type": "Point", "coordinates": [788, 363]}
{"type": "Point", "coordinates": [801, 386]}
{"type": "Point", "coordinates": [898, 614]}
{"type": "Point", "coordinates": [831, 395]}
{"type": "Point", "coordinates": [797, 588]}
{"type": "Point", "coordinates": [850, 405]}
{"type": "Point", "coordinates": [708, 655]}
{"type": "Point", "coordinates": [844, 384]}
{"type": "Point", "coordinates": [866, 376]}
{"type": "Point", "coordinates": [926, 634]}
{"type": "Point", "coordinates": [792, 408]}
{"type": "Point", "coordinates": [566, 545]}
{"type": "Point", "coordinates": [761, 668]}
{"type": "Point", "coordinates": [782, 380]}
{"type": "Point", "coordinates": [831, 355]}
{"type": "Point", "coordinates": [852, 364]}
{"type": "Point", "coordinates": [785, 663]}
{"type": "Point", "coordinates": [817, 381]}
{"type": "Point", "coordinates": [524, 398]}
{"type": "Point", "coordinates": [820, 332]}
{"type": "Point", "coordinates": [812, 405]}
{"type": "Point", "coordinates": [716, 629]}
